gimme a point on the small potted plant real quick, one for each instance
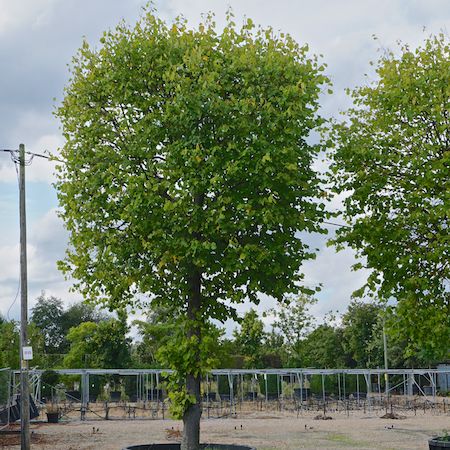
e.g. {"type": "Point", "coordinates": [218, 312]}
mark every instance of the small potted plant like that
{"type": "Point", "coordinates": [440, 442]}
{"type": "Point", "coordinates": [52, 411]}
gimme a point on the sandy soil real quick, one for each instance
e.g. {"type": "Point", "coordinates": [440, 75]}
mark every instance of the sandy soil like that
{"type": "Point", "coordinates": [356, 431]}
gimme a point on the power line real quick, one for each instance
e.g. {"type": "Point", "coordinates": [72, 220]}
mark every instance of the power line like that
{"type": "Point", "coordinates": [337, 224]}
{"type": "Point", "coordinates": [14, 301]}
{"type": "Point", "coordinates": [39, 155]}
{"type": "Point", "coordinates": [32, 154]}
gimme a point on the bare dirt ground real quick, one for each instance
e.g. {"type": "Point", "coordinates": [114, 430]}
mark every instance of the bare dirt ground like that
{"type": "Point", "coordinates": [265, 432]}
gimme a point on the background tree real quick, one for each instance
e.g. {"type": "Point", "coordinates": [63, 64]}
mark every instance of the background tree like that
{"type": "Point", "coordinates": [322, 347]}
{"type": "Point", "coordinates": [399, 349]}
{"type": "Point", "coordinates": [293, 322]}
{"type": "Point", "coordinates": [47, 316]}
{"type": "Point", "coordinates": [80, 312]}
{"type": "Point", "coordinates": [392, 159]}
{"type": "Point", "coordinates": [249, 339]}
{"type": "Point", "coordinates": [155, 331]}
{"type": "Point", "coordinates": [161, 327]}
{"type": "Point", "coordinates": [54, 321]}
{"type": "Point", "coordinates": [360, 323]}
{"type": "Point", "coordinates": [188, 174]}
{"type": "Point", "coordinates": [99, 345]}
{"type": "Point", "coordinates": [275, 354]}
{"type": "Point", "coordinates": [9, 345]}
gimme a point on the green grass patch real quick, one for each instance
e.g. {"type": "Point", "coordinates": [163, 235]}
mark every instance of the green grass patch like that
{"type": "Point", "coordinates": [343, 439]}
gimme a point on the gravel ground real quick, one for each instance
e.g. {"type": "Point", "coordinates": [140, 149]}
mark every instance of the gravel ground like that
{"type": "Point", "coordinates": [357, 431]}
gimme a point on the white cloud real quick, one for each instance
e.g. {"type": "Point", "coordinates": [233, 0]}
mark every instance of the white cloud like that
{"type": "Point", "coordinates": [46, 244]}
{"type": "Point", "coordinates": [25, 13]}
{"type": "Point", "coordinates": [34, 130]}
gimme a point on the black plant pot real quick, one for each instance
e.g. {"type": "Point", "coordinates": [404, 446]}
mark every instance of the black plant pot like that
{"type": "Point", "coordinates": [177, 447]}
{"type": "Point", "coordinates": [439, 443]}
{"type": "Point", "coordinates": [53, 417]}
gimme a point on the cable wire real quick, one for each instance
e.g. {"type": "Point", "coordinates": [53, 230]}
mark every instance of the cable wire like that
{"type": "Point", "coordinates": [337, 224]}
{"type": "Point", "coordinates": [14, 301]}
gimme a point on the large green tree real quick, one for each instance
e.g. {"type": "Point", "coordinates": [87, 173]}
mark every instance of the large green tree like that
{"type": "Point", "coordinates": [188, 174]}
{"type": "Point", "coordinates": [392, 160]}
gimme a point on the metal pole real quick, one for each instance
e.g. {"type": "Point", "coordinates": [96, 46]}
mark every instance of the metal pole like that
{"type": "Point", "coordinates": [343, 386]}
{"type": "Point", "coordinates": [379, 387]}
{"type": "Point", "coordinates": [151, 387]}
{"type": "Point", "coordinates": [386, 376]}
{"type": "Point", "coordinates": [24, 387]}
{"type": "Point", "coordinates": [207, 394]}
{"type": "Point", "coordinates": [339, 386]}
{"type": "Point", "coordinates": [265, 382]}
{"type": "Point", "coordinates": [292, 380]}
{"type": "Point", "coordinates": [278, 388]}
{"type": "Point", "coordinates": [157, 387]}
{"type": "Point", "coordinates": [9, 401]}
{"type": "Point", "coordinates": [357, 388]}
{"type": "Point", "coordinates": [230, 385]}
{"type": "Point", "coordinates": [137, 388]}
{"type": "Point", "coordinates": [323, 389]}
{"type": "Point", "coordinates": [84, 394]}
{"type": "Point", "coordinates": [301, 390]}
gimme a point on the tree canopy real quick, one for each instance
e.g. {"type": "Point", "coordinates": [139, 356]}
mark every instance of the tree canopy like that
{"type": "Point", "coordinates": [188, 174]}
{"type": "Point", "coordinates": [392, 160]}
{"type": "Point", "coordinates": [187, 148]}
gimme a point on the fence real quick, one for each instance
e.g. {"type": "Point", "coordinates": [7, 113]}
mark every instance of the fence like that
{"type": "Point", "coordinates": [5, 397]}
{"type": "Point", "coordinates": [141, 393]}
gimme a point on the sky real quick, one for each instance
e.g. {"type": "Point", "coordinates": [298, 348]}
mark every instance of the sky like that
{"type": "Point", "coordinates": [38, 38]}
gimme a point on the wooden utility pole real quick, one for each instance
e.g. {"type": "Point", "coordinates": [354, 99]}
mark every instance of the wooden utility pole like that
{"type": "Point", "coordinates": [24, 386]}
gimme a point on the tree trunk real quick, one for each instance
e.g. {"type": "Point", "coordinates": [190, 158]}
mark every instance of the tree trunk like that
{"type": "Point", "coordinates": [191, 418]}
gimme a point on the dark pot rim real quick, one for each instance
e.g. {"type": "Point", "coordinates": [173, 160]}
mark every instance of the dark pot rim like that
{"type": "Point", "coordinates": [438, 440]}
{"type": "Point", "coordinates": [203, 446]}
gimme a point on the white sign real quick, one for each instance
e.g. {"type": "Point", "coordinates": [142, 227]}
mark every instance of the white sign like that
{"type": "Point", "coordinates": [27, 353]}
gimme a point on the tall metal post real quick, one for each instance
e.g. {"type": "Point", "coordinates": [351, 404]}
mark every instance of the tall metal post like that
{"type": "Point", "coordinates": [386, 375]}
{"type": "Point", "coordinates": [24, 386]}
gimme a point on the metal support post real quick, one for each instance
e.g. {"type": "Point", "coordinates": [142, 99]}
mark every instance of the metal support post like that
{"type": "Point", "coordinates": [323, 389]}
{"type": "Point", "coordinates": [357, 388]}
{"type": "Point", "coordinates": [265, 382]}
{"type": "Point", "coordinates": [339, 386]}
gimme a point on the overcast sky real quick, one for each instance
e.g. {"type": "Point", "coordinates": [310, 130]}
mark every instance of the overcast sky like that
{"type": "Point", "coordinates": [38, 39]}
